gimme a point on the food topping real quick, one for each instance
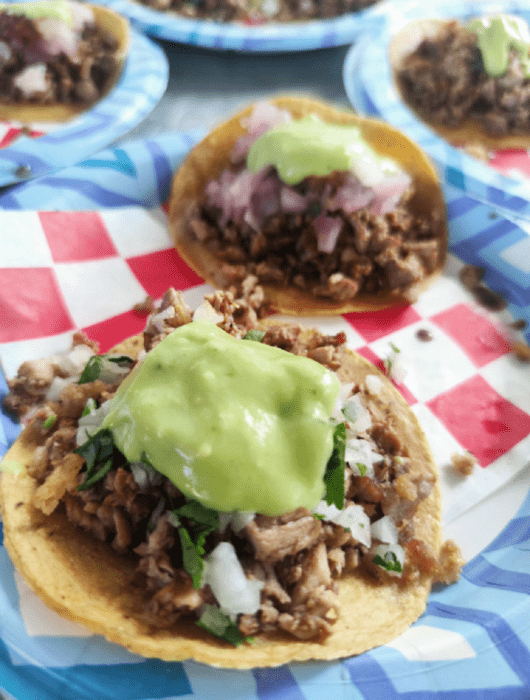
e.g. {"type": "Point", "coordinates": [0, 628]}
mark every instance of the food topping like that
{"type": "Point", "coordinates": [53, 52]}
{"type": "Point", "coordinates": [314, 206]}
{"type": "Point", "coordinates": [141, 478]}
{"type": "Point", "coordinates": [478, 72]}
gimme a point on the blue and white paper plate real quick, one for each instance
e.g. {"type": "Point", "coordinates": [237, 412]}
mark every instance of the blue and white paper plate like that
{"type": "Point", "coordinates": [141, 86]}
{"type": "Point", "coordinates": [370, 88]}
{"type": "Point", "coordinates": [481, 623]}
{"type": "Point", "coordinates": [272, 38]}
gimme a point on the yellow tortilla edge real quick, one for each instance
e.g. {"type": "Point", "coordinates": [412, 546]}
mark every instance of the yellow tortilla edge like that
{"type": "Point", "coordinates": [470, 133]}
{"type": "Point", "coordinates": [87, 582]}
{"type": "Point", "coordinates": [27, 113]}
{"type": "Point", "coordinates": [209, 157]}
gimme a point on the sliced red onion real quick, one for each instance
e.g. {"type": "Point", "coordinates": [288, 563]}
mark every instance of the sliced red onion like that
{"type": "Point", "coordinates": [234, 592]}
{"type": "Point", "coordinates": [388, 193]}
{"type": "Point", "coordinates": [31, 80]}
{"type": "Point", "coordinates": [351, 196]}
{"type": "Point", "coordinates": [291, 201]}
{"type": "Point", "coordinates": [385, 530]}
{"type": "Point", "coordinates": [264, 116]}
{"type": "Point", "coordinates": [327, 229]}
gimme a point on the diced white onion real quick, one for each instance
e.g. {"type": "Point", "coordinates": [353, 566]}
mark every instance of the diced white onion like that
{"type": "Point", "coordinates": [385, 530]}
{"type": "Point", "coordinates": [56, 387]}
{"type": "Point", "coordinates": [31, 80]}
{"type": "Point", "coordinates": [58, 36]}
{"type": "Point", "coordinates": [88, 424]}
{"type": "Point", "coordinates": [357, 414]}
{"type": "Point", "coordinates": [157, 321]}
{"type": "Point", "coordinates": [344, 391]}
{"type": "Point", "coordinates": [172, 518]}
{"type": "Point", "coordinates": [82, 15]}
{"type": "Point", "coordinates": [373, 384]}
{"type": "Point", "coordinates": [396, 367]}
{"type": "Point", "coordinates": [225, 576]}
{"type": "Point", "coordinates": [74, 361]}
{"type": "Point", "coordinates": [236, 519]}
{"type": "Point", "coordinates": [389, 551]}
{"type": "Point", "coordinates": [206, 312]}
{"type": "Point", "coordinates": [352, 517]}
{"type": "Point", "coordinates": [144, 475]}
{"type": "Point", "coordinates": [112, 372]}
{"type": "Point", "coordinates": [360, 451]}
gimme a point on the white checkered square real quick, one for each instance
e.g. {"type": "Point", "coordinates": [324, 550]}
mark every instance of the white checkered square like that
{"type": "Point", "coordinates": [25, 245]}
{"type": "Point", "coordinates": [148, 233]}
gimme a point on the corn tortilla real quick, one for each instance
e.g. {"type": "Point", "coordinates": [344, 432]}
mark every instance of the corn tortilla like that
{"type": "Point", "coordinates": [28, 113]}
{"type": "Point", "coordinates": [470, 132]}
{"type": "Point", "coordinates": [212, 155]}
{"type": "Point", "coordinates": [86, 581]}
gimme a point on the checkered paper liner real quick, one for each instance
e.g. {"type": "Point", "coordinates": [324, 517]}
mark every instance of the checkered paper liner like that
{"type": "Point", "coordinates": [86, 269]}
{"type": "Point", "coordinates": [505, 181]}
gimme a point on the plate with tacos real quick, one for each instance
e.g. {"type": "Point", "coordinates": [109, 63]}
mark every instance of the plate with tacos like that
{"type": "Point", "coordinates": [434, 362]}
{"type": "Point", "coordinates": [75, 77]}
{"type": "Point", "coordinates": [263, 27]}
{"type": "Point", "coordinates": [464, 127]}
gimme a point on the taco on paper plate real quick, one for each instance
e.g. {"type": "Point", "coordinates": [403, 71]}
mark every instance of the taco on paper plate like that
{"type": "Point", "coordinates": [329, 211]}
{"type": "Point", "coordinates": [57, 58]}
{"type": "Point", "coordinates": [468, 81]}
{"type": "Point", "coordinates": [239, 495]}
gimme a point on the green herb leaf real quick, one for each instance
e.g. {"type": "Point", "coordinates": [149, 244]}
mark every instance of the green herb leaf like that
{"type": "Point", "coordinates": [49, 421]}
{"type": "Point", "coordinates": [361, 467]}
{"type": "Point", "coordinates": [120, 359]}
{"type": "Point", "coordinates": [202, 521]}
{"type": "Point", "coordinates": [319, 516]}
{"type": "Point", "coordinates": [89, 406]}
{"type": "Point", "coordinates": [199, 514]}
{"type": "Point", "coordinates": [92, 370]}
{"type": "Point", "coordinates": [394, 348]}
{"type": "Point", "coordinates": [98, 452]}
{"type": "Point", "coordinates": [216, 622]}
{"type": "Point", "coordinates": [254, 334]}
{"type": "Point", "coordinates": [334, 476]}
{"type": "Point", "coordinates": [389, 562]}
{"type": "Point", "coordinates": [191, 557]}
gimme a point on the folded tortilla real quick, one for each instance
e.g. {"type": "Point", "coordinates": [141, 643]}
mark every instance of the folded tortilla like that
{"type": "Point", "coordinates": [212, 155]}
{"type": "Point", "coordinates": [29, 113]}
{"type": "Point", "coordinates": [87, 581]}
{"type": "Point", "coordinates": [470, 132]}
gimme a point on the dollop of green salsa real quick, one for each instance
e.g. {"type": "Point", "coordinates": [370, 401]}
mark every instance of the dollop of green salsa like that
{"type": "Point", "coordinates": [234, 424]}
{"type": "Point", "coordinates": [43, 9]}
{"type": "Point", "coordinates": [309, 146]}
{"type": "Point", "coordinates": [496, 36]}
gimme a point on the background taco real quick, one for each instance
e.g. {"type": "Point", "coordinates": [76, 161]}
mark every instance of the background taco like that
{"type": "Point", "coordinates": [452, 75]}
{"type": "Point", "coordinates": [44, 82]}
{"type": "Point", "coordinates": [88, 581]}
{"type": "Point", "coordinates": [329, 244]}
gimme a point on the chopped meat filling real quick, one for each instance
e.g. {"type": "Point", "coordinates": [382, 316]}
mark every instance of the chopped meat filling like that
{"type": "Point", "coordinates": [297, 557]}
{"type": "Point", "coordinates": [445, 81]}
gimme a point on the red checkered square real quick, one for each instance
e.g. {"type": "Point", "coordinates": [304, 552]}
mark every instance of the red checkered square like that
{"type": "Point", "coordinates": [11, 133]}
{"type": "Point", "coordinates": [75, 236]}
{"type": "Point", "coordinates": [482, 421]}
{"type": "Point", "coordinates": [369, 355]}
{"type": "Point", "coordinates": [158, 271]}
{"type": "Point", "coordinates": [373, 325]}
{"type": "Point", "coordinates": [31, 304]}
{"type": "Point", "coordinates": [479, 339]}
{"type": "Point", "coordinates": [114, 330]}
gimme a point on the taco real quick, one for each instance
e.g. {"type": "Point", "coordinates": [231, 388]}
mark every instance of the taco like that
{"type": "Point", "coordinates": [329, 211]}
{"type": "Point", "coordinates": [57, 58]}
{"type": "Point", "coordinates": [222, 550]}
{"type": "Point", "coordinates": [258, 12]}
{"type": "Point", "coordinates": [468, 81]}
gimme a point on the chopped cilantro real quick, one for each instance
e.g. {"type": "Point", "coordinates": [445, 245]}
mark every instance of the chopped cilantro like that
{"type": "Point", "coordinates": [202, 521]}
{"type": "Point", "coordinates": [98, 453]}
{"type": "Point", "coordinates": [192, 553]}
{"type": "Point", "coordinates": [89, 406]}
{"type": "Point", "coordinates": [319, 516]}
{"type": "Point", "coordinates": [200, 514]}
{"type": "Point", "coordinates": [215, 621]}
{"type": "Point", "coordinates": [394, 348]}
{"type": "Point", "coordinates": [92, 370]}
{"type": "Point", "coordinates": [389, 562]}
{"type": "Point", "coordinates": [49, 421]}
{"type": "Point", "coordinates": [254, 334]}
{"type": "Point", "coordinates": [361, 467]}
{"type": "Point", "coordinates": [334, 476]}
{"type": "Point", "coordinates": [120, 359]}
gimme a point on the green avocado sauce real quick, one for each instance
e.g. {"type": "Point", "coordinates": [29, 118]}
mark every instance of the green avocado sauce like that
{"type": "Point", "coordinates": [496, 35]}
{"type": "Point", "coordinates": [234, 424]}
{"type": "Point", "coordinates": [309, 146]}
{"type": "Point", "coordinates": [43, 9]}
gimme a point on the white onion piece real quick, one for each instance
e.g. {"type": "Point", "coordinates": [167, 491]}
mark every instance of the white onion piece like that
{"type": "Point", "coordinates": [89, 423]}
{"type": "Point", "coordinates": [270, 7]}
{"type": "Point", "coordinates": [74, 361]}
{"type": "Point", "coordinates": [390, 553]}
{"type": "Point", "coordinates": [31, 80]}
{"type": "Point", "coordinates": [225, 576]}
{"type": "Point", "coordinates": [395, 366]}
{"type": "Point", "coordinates": [58, 36]}
{"type": "Point", "coordinates": [82, 15]}
{"type": "Point", "coordinates": [374, 384]}
{"type": "Point", "coordinates": [145, 475]}
{"type": "Point", "coordinates": [385, 530]}
{"type": "Point", "coordinates": [357, 414]}
{"type": "Point", "coordinates": [112, 372]}
{"type": "Point", "coordinates": [206, 312]}
{"type": "Point", "coordinates": [236, 519]}
{"type": "Point", "coordinates": [57, 385]}
{"type": "Point", "coordinates": [157, 321]}
{"type": "Point", "coordinates": [352, 518]}
{"type": "Point", "coordinates": [360, 452]}
{"type": "Point", "coordinates": [344, 391]}
{"type": "Point", "coordinates": [327, 229]}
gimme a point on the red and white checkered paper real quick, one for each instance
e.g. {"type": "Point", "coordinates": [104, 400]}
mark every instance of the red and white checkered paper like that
{"type": "Point", "coordinates": [63, 271]}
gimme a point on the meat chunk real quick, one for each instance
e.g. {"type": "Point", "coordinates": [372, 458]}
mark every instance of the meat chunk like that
{"type": "Point", "coordinates": [273, 540]}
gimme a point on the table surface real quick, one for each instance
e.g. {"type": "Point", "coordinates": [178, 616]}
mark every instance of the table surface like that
{"type": "Point", "coordinates": [206, 86]}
